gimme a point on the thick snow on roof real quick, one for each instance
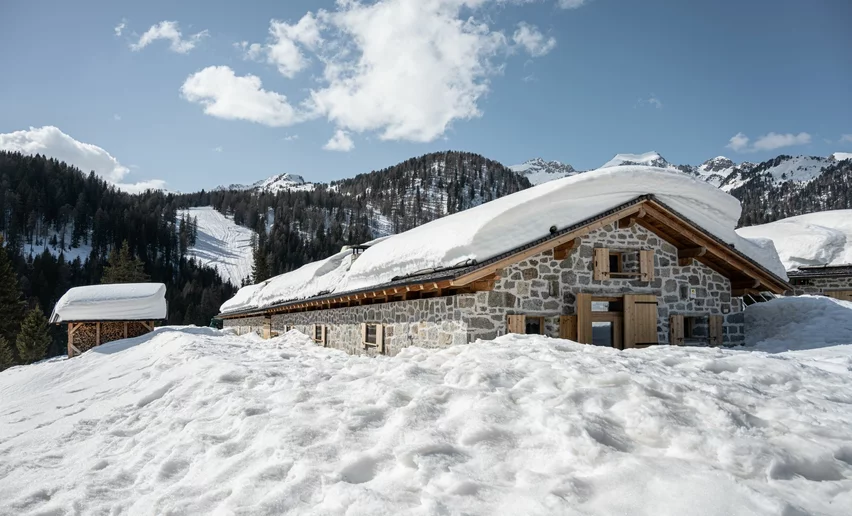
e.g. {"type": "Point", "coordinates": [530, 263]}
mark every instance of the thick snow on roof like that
{"type": "Point", "coordinates": [197, 421]}
{"type": "Point", "coordinates": [117, 302]}
{"type": "Point", "coordinates": [504, 224]}
{"type": "Point", "coordinates": [821, 238]}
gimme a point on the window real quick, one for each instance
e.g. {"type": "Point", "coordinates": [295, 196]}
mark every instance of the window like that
{"type": "Point", "coordinates": [534, 325]}
{"type": "Point", "coordinates": [319, 331]}
{"type": "Point", "coordinates": [526, 324]}
{"type": "Point", "coordinates": [371, 334]}
{"type": "Point", "coordinates": [616, 262]}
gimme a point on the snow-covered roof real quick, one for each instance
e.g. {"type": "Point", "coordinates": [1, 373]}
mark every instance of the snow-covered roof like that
{"type": "Point", "coordinates": [115, 302]}
{"type": "Point", "coordinates": [496, 227]}
{"type": "Point", "coordinates": [821, 238]}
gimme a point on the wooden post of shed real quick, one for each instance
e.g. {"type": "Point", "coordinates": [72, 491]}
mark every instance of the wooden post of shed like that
{"type": "Point", "coordinates": [98, 334]}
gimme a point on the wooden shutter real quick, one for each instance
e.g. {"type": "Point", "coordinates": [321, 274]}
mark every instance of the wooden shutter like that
{"type": "Point", "coordinates": [364, 334]}
{"type": "Point", "coordinates": [676, 330]}
{"type": "Point", "coordinates": [640, 320]}
{"type": "Point", "coordinates": [568, 327]}
{"type": "Point", "coordinates": [380, 338]}
{"type": "Point", "coordinates": [584, 318]}
{"type": "Point", "coordinates": [601, 264]}
{"type": "Point", "coordinates": [517, 324]}
{"type": "Point", "coordinates": [646, 265]}
{"type": "Point", "coordinates": [717, 329]}
{"type": "Point", "coordinates": [324, 335]}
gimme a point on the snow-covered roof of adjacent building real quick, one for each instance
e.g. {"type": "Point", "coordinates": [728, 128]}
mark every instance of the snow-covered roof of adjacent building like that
{"type": "Point", "coordinates": [491, 229]}
{"type": "Point", "coordinates": [813, 239]}
{"type": "Point", "coordinates": [115, 302]}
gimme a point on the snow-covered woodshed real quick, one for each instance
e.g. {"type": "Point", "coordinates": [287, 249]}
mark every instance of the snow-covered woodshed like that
{"type": "Point", "coordinates": [623, 257]}
{"type": "Point", "coordinates": [98, 314]}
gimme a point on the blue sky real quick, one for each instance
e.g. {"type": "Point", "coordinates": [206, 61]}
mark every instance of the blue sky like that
{"type": "Point", "coordinates": [512, 80]}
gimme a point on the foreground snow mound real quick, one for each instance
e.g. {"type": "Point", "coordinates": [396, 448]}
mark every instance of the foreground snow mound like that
{"type": "Point", "coordinates": [198, 422]}
{"type": "Point", "coordinates": [803, 322]}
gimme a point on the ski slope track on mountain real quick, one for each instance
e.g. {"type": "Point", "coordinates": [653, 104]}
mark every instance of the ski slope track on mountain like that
{"type": "Point", "coordinates": [821, 238]}
{"type": "Point", "coordinates": [198, 421]}
{"type": "Point", "coordinates": [221, 244]}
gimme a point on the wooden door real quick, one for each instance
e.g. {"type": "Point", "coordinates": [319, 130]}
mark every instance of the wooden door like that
{"type": "Point", "coordinates": [717, 329]}
{"type": "Point", "coordinates": [568, 327]}
{"type": "Point", "coordinates": [584, 318]}
{"type": "Point", "coordinates": [676, 333]}
{"type": "Point", "coordinates": [640, 320]}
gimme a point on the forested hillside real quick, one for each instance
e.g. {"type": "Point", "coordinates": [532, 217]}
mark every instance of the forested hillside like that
{"type": "Point", "coordinates": [298, 226]}
{"type": "Point", "coordinates": [59, 226]}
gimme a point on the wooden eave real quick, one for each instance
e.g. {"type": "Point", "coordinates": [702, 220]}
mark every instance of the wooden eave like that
{"type": "Point", "coordinates": [691, 241]}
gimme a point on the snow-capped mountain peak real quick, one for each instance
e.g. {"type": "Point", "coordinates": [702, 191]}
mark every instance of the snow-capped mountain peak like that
{"type": "Point", "coordinates": [538, 171]}
{"type": "Point", "coordinates": [840, 156]}
{"type": "Point", "coordinates": [717, 164]}
{"type": "Point", "coordinates": [275, 184]}
{"type": "Point", "coordinates": [650, 159]}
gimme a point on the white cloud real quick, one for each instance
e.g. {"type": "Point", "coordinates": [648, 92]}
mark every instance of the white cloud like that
{"type": "Point", "coordinates": [532, 40]}
{"type": "Point", "coordinates": [406, 69]}
{"type": "Point", "coordinates": [652, 100]}
{"type": "Point", "coordinates": [226, 95]}
{"type": "Point", "coordinates": [284, 49]}
{"type": "Point", "coordinates": [52, 142]}
{"type": "Point", "coordinates": [768, 142]}
{"type": "Point", "coordinates": [251, 52]}
{"type": "Point", "coordinates": [217, 149]}
{"type": "Point", "coordinates": [738, 142]}
{"type": "Point", "coordinates": [291, 137]}
{"type": "Point", "coordinates": [340, 142]}
{"type": "Point", "coordinates": [571, 4]}
{"type": "Point", "coordinates": [120, 27]}
{"type": "Point", "coordinates": [847, 138]}
{"type": "Point", "coordinates": [170, 31]}
{"type": "Point", "coordinates": [116, 117]}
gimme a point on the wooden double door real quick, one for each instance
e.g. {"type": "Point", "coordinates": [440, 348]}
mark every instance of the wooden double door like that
{"type": "Point", "coordinates": [628, 321]}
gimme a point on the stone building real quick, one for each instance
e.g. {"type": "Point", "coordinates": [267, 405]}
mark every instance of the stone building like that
{"type": "Point", "coordinates": [826, 280]}
{"type": "Point", "coordinates": [98, 314]}
{"type": "Point", "coordinates": [629, 275]}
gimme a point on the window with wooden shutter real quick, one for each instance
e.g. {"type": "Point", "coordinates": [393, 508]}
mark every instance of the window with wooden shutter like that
{"type": "Point", "coordinates": [676, 330]}
{"type": "Point", "coordinates": [584, 318]}
{"type": "Point", "coordinates": [517, 324]}
{"type": "Point", "coordinates": [568, 327]}
{"type": "Point", "coordinates": [640, 320]}
{"type": "Point", "coordinates": [717, 329]}
{"type": "Point", "coordinates": [601, 264]}
{"type": "Point", "coordinates": [646, 265]}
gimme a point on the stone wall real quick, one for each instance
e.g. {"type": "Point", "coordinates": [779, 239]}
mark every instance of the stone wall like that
{"type": "Point", "coordinates": [540, 286]}
{"type": "Point", "coordinates": [428, 323]}
{"type": "Point", "coordinates": [822, 286]}
{"type": "Point", "coordinates": [245, 325]}
{"type": "Point", "coordinates": [543, 286]}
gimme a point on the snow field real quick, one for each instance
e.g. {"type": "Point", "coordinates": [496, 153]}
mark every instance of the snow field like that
{"type": "Point", "coordinates": [197, 421]}
{"type": "Point", "coordinates": [221, 244]}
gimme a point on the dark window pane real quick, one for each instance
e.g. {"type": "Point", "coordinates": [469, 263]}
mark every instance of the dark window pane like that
{"type": "Point", "coordinates": [614, 263]}
{"type": "Point", "coordinates": [371, 334]}
{"type": "Point", "coordinates": [533, 326]}
{"type": "Point", "coordinates": [602, 334]}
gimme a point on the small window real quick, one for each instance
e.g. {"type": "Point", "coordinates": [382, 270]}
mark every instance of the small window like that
{"type": "Point", "coordinates": [318, 331]}
{"type": "Point", "coordinates": [372, 331]}
{"type": "Point", "coordinates": [695, 327]}
{"type": "Point", "coordinates": [534, 325]}
{"type": "Point", "coordinates": [616, 262]}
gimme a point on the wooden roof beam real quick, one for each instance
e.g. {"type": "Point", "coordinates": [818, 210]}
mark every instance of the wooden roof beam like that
{"type": "Point", "coordinates": [685, 256]}
{"type": "Point", "coordinates": [561, 251]}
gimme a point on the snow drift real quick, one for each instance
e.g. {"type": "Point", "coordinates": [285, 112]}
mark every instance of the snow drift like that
{"type": "Point", "coordinates": [514, 220]}
{"type": "Point", "coordinates": [821, 238]}
{"type": "Point", "coordinates": [803, 322]}
{"type": "Point", "coordinates": [119, 302]}
{"type": "Point", "coordinates": [196, 421]}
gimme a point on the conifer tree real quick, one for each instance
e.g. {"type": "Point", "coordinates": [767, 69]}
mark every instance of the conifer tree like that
{"type": "Point", "coordinates": [34, 338]}
{"type": "Point", "coordinates": [7, 356]}
{"type": "Point", "coordinates": [124, 267]}
{"type": "Point", "coordinates": [11, 306]}
{"type": "Point", "coordinates": [260, 267]}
